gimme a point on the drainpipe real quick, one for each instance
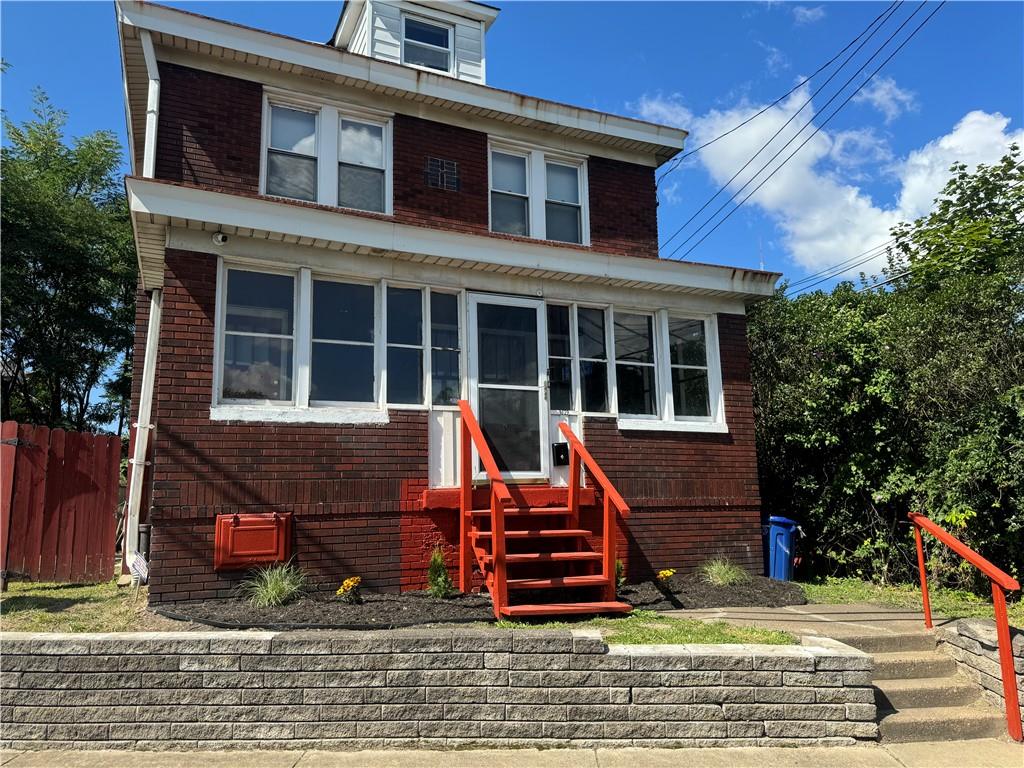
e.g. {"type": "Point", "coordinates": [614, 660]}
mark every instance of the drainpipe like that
{"type": "Point", "coordinates": [152, 104]}
{"type": "Point", "coordinates": [143, 427]}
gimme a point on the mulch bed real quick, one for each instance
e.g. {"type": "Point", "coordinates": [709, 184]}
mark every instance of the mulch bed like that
{"type": "Point", "coordinates": [386, 611]}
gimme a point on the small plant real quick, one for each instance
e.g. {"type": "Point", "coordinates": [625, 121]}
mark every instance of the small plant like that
{"type": "Point", "coordinates": [439, 583]}
{"type": "Point", "coordinates": [620, 574]}
{"type": "Point", "coordinates": [665, 574]}
{"type": "Point", "coordinates": [349, 590]}
{"type": "Point", "coordinates": [723, 573]}
{"type": "Point", "coordinates": [273, 585]}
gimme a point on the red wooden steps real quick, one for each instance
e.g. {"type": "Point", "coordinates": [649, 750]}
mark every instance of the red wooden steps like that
{"type": "Point", "coordinates": [545, 609]}
{"type": "Point", "coordinates": [557, 582]}
{"type": "Point", "coordinates": [548, 557]}
{"type": "Point", "coordinates": [516, 511]}
{"type": "Point", "coordinates": [544, 533]}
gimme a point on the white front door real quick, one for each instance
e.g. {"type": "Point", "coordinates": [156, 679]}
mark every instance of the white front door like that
{"type": "Point", "coordinates": [508, 382]}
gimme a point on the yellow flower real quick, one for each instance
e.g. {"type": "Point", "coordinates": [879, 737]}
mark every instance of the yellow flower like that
{"type": "Point", "coordinates": [348, 585]}
{"type": "Point", "coordinates": [666, 574]}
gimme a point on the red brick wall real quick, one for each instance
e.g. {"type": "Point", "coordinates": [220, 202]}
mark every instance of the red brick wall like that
{"type": "Point", "coordinates": [623, 208]}
{"type": "Point", "coordinates": [209, 129]}
{"type": "Point", "coordinates": [694, 496]}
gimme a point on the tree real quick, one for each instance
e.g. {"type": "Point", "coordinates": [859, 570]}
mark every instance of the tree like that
{"type": "Point", "coordinates": [870, 404]}
{"type": "Point", "coordinates": [68, 274]}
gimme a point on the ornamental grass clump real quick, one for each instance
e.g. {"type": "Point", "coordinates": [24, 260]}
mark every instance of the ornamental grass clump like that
{"type": "Point", "coordinates": [439, 583]}
{"type": "Point", "coordinates": [723, 573]}
{"type": "Point", "coordinates": [349, 590]}
{"type": "Point", "coordinates": [273, 585]}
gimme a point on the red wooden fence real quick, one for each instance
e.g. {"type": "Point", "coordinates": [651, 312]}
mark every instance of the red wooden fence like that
{"type": "Point", "coordinates": [58, 503]}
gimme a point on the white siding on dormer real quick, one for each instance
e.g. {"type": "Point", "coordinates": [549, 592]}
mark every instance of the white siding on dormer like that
{"type": "Point", "coordinates": [360, 40]}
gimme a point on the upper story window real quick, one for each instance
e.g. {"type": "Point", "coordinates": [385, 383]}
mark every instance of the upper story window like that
{"type": "Point", "coordinates": [327, 154]}
{"type": "Point", "coordinates": [538, 194]}
{"type": "Point", "coordinates": [426, 44]}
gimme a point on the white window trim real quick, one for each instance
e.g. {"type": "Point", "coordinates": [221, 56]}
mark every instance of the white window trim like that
{"type": "Point", "coordinates": [450, 50]}
{"type": "Point", "coordinates": [536, 185]}
{"type": "Point", "coordinates": [655, 365]}
{"type": "Point", "coordinates": [428, 376]}
{"type": "Point", "coordinates": [328, 139]}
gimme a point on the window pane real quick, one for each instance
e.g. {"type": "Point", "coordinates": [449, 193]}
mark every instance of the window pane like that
{"type": "Point", "coordinates": [405, 375]}
{"type": "Point", "coordinates": [508, 214]}
{"type": "Point", "coordinates": [421, 32]}
{"type": "Point", "coordinates": [686, 342]}
{"type": "Point", "coordinates": [405, 316]}
{"type": "Point", "coordinates": [633, 337]}
{"type": "Point", "coordinates": [595, 386]}
{"type": "Point", "coordinates": [560, 378]}
{"type": "Point", "coordinates": [690, 392]}
{"type": "Point", "coordinates": [563, 183]}
{"type": "Point", "coordinates": [360, 188]}
{"type": "Point", "coordinates": [342, 311]}
{"type": "Point", "coordinates": [510, 420]}
{"type": "Point", "coordinates": [426, 57]}
{"type": "Point", "coordinates": [635, 385]}
{"type": "Point", "coordinates": [508, 173]}
{"type": "Point", "coordinates": [508, 344]}
{"type": "Point", "coordinates": [563, 222]}
{"type": "Point", "coordinates": [591, 332]}
{"type": "Point", "coordinates": [558, 331]}
{"type": "Point", "coordinates": [341, 372]}
{"type": "Point", "coordinates": [259, 303]}
{"type": "Point", "coordinates": [445, 389]}
{"type": "Point", "coordinates": [257, 368]}
{"type": "Point", "coordinates": [362, 144]}
{"type": "Point", "coordinates": [291, 176]}
{"type": "Point", "coordinates": [444, 320]}
{"type": "Point", "coordinates": [293, 130]}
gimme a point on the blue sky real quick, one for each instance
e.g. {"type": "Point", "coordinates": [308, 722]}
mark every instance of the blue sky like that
{"type": "Point", "coordinates": [955, 92]}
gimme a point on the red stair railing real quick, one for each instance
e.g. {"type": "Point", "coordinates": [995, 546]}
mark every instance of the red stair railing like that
{"type": "Point", "coordinates": [1000, 581]}
{"type": "Point", "coordinates": [470, 434]}
{"type": "Point", "coordinates": [580, 457]}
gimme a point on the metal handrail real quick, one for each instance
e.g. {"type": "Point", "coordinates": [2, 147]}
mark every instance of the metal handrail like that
{"type": "Point", "coordinates": [1000, 581]}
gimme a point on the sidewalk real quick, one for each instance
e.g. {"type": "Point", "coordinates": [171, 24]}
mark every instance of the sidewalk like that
{"type": "Point", "coordinates": [985, 753]}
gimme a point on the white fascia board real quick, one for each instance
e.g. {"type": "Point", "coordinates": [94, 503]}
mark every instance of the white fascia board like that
{"type": "Point", "coordinates": [223, 209]}
{"type": "Point", "coordinates": [326, 58]}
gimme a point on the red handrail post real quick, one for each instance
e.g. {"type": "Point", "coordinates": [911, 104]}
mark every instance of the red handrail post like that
{"type": "Point", "coordinates": [500, 595]}
{"type": "Point", "coordinates": [574, 485]}
{"type": "Point", "coordinates": [924, 577]}
{"type": "Point", "coordinates": [1009, 674]}
{"type": "Point", "coordinates": [465, 506]}
{"type": "Point", "coordinates": [608, 570]}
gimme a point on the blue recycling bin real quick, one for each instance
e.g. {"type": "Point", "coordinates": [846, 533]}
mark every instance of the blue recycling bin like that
{"type": "Point", "coordinates": [781, 532]}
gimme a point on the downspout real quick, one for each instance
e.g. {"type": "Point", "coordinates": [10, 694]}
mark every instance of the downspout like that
{"type": "Point", "coordinates": [143, 424]}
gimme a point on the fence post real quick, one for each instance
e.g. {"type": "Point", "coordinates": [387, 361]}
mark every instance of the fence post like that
{"type": "Point", "coordinates": [8, 456]}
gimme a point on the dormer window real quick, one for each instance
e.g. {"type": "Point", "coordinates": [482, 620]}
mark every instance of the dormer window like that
{"type": "Point", "coordinates": [425, 44]}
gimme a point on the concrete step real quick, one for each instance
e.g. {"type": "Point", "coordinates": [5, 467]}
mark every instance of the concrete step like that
{"type": "Point", "coordinates": [912, 664]}
{"type": "Point", "coordinates": [924, 692]}
{"type": "Point", "coordinates": [899, 643]}
{"type": "Point", "coordinates": [942, 724]}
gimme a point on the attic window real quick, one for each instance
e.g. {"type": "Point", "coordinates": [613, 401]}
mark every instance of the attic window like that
{"type": "Point", "coordinates": [442, 174]}
{"type": "Point", "coordinates": [426, 45]}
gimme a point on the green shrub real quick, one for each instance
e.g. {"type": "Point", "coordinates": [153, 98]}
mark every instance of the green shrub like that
{"type": "Point", "coordinates": [620, 574]}
{"type": "Point", "coordinates": [273, 585]}
{"type": "Point", "coordinates": [439, 583]}
{"type": "Point", "coordinates": [723, 573]}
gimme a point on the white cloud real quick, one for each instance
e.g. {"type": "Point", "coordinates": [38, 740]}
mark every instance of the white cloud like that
{"type": "Point", "coordinates": [804, 14]}
{"type": "Point", "coordinates": [888, 98]}
{"type": "Point", "coordinates": [665, 110]}
{"type": "Point", "coordinates": [775, 60]}
{"type": "Point", "coordinates": [823, 214]}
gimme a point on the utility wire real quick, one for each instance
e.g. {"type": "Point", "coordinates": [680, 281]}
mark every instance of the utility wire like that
{"type": "Point", "coordinates": [842, 263]}
{"type": "Point", "coordinates": [811, 136]}
{"type": "Point", "coordinates": [892, 279]}
{"type": "Point", "coordinates": [676, 161]}
{"type": "Point", "coordinates": [870, 255]}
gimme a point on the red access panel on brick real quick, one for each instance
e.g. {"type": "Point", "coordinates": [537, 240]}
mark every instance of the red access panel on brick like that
{"type": "Point", "coordinates": [245, 540]}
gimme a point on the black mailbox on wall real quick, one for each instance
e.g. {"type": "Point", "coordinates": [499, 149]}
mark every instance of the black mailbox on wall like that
{"type": "Point", "coordinates": [560, 454]}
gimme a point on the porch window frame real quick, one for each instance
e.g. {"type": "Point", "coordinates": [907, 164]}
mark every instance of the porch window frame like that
{"type": "Point", "coordinates": [461, 309]}
{"type": "Point", "coordinates": [657, 356]}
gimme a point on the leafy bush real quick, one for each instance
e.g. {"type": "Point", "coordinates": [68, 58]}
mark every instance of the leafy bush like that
{"type": "Point", "coordinates": [439, 583]}
{"type": "Point", "coordinates": [620, 574]}
{"type": "Point", "coordinates": [273, 585]}
{"type": "Point", "coordinates": [723, 573]}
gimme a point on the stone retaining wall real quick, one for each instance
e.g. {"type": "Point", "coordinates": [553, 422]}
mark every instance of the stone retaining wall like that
{"type": "Point", "coordinates": [451, 688]}
{"type": "Point", "coordinates": [972, 644]}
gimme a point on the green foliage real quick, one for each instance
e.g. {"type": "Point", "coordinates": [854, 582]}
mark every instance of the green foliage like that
{"type": "Point", "coordinates": [439, 583]}
{"type": "Point", "coordinates": [871, 404]}
{"type": "Point", "coordinates": [69, 275]}
{"type": "Point", "coordinates": [273, 585]}
{"type": "Point", "coordinates": [620, 574]}
{"type": "Point", "coordinates": [723, 573]}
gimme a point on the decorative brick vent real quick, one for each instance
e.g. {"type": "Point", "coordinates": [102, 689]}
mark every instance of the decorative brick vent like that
{"type": "Point", "coordinates": [447, 689]}
{"type": "Point", "coordinates": [442, 174]}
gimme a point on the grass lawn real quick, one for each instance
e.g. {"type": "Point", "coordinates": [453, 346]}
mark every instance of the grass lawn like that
{"type": "Point", "coordinates": [947, 602]}
{"type": "Point", "coordinates": [30, 607]}
{"type": "Point", "coordinates": [650, 628]}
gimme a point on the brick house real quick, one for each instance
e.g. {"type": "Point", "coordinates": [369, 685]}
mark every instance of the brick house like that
{"type": "Point", "coordinates": [351, 252]}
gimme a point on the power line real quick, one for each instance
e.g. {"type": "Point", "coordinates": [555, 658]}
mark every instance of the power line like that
{"type": "Point", "coordinates": [840, 268]}
{"type": "Point", "coordinates": [676, 161]}
{"type": "Point", "coordinates": [811, 136]}
{"type": "Point", "coordinates": [777, 133]}
{"type": "Point", "coordinates": [892, 279]}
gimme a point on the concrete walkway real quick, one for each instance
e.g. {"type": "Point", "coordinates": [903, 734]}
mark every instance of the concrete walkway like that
{"type": "Point", "coordinates": [986, 753]}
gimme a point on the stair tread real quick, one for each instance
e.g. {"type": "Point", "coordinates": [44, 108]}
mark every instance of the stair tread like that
{"type": "Point", "coordinates": [538, 533]}
{"type": "Point", "coordinates": [548, 557]}
{"type": "Point", "coordinates": [558, 581]}
{"type": "Point", "coordinates": [973, 711]}
{"type": "Point", "coordinates": [545, 609]}
{"type": "Point", "coordinates": [920, 683]}
{"type": "Point", "coordinates": [519, 511]}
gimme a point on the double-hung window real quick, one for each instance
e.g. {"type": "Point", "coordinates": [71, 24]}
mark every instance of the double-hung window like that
{"type": "Point", "coordinates": [538, 194]}
{"type": "Point", "coordinates": [405, 346]}
{"type": "Point", "coordinates": [560, 373]}
{"type": "Point", "coordinates": [635, 368]}
{"type": "Point", "coordinates": [593, 359]}
{"type": "Point", "coordinates": [446, 382]}
{"type": "Point", "coordinates": [292, 153]}
{"type": "Point", "coordinates": [361, 166]}
{"type": "Point", "coordinates": [688, 363]}
{"type": "Point", "coordinates": [342, 368]}
{"type": "Point", "coordinates": [426, 44]}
